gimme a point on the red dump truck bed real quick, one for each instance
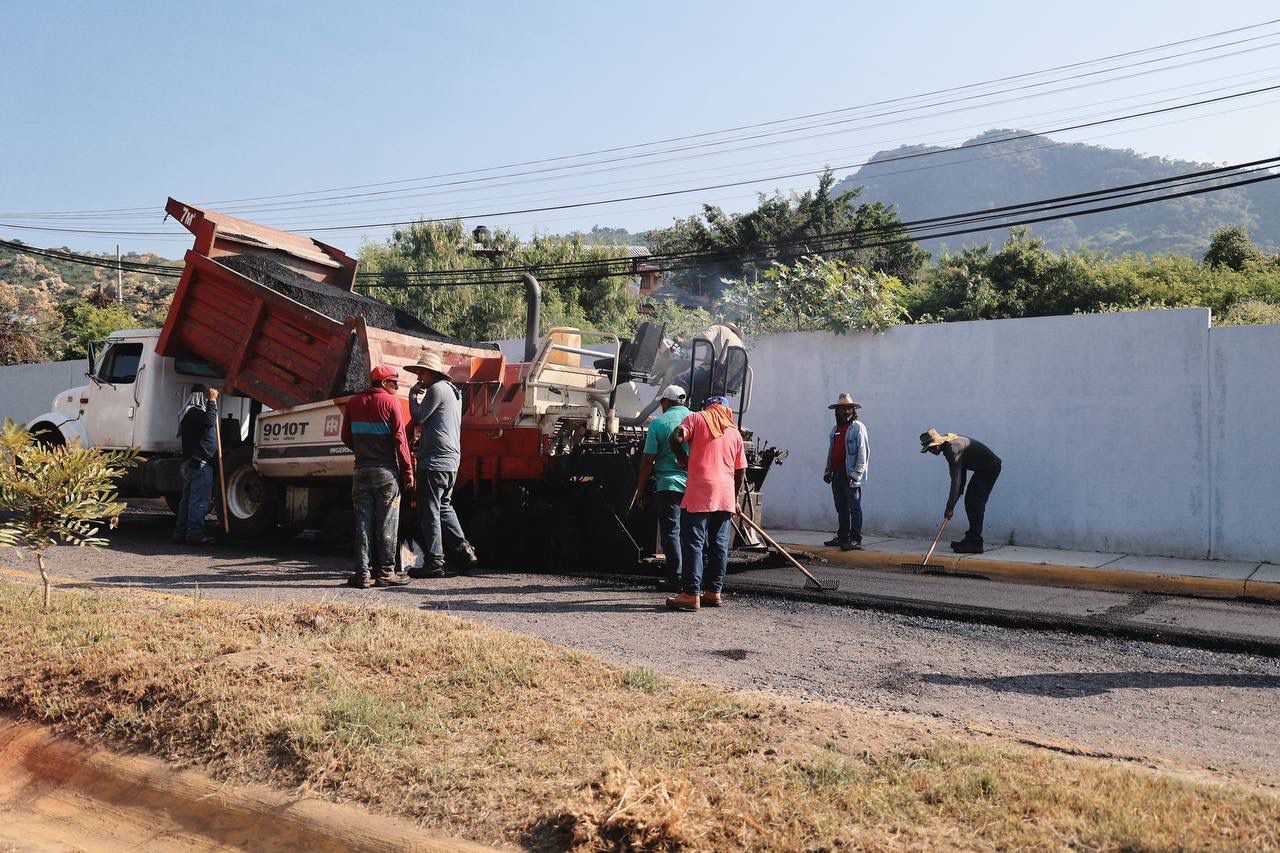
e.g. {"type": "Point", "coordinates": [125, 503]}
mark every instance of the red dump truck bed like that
{"type": "Point", "coordinates": [276, 315]}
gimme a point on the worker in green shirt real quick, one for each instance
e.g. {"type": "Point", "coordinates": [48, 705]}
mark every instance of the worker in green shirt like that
{"type": "Point", "coordinates": [659, 459]}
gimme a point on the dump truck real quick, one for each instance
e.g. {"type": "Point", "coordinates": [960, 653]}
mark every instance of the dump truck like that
{"type": "Point", "coordinates": [550, 442]}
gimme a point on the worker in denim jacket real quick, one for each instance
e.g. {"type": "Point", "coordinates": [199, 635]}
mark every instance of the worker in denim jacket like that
{"type": "Point", "coordinates": [846, 470]}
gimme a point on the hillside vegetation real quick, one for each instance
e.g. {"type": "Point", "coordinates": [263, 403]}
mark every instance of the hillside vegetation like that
{"type": "Point", "coordinates": [985, 172]}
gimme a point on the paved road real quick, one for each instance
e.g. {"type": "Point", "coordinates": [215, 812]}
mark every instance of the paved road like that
{"type": "Point", "coordinates": [1158, 704]}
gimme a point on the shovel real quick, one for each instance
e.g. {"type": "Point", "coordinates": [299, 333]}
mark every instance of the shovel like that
{"type": "Point", "coordinates": [921, 567]}
{"type": "Point", "coordinates": [812, 582]}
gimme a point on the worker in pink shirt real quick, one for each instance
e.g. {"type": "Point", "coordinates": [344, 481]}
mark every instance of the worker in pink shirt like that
{"type": "Point", "coordinates": [717, 463]}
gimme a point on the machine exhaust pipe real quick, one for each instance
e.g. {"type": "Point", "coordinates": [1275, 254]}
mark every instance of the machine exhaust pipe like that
{"type": "Point", "coordinates": [533, 307]}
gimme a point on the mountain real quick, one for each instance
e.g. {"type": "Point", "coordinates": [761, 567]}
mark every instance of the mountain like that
{"type": "Point", "coordinates": [1003, 170]}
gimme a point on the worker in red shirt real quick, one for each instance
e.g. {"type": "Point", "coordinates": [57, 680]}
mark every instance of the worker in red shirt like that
{"type": "Point", "coordinates": [717, 463]}
{"type": "Point", "coordinates": [373, 426]}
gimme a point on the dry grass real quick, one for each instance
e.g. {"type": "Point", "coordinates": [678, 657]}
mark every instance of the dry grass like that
{"type": "Point", "coordinates": [498, 737]}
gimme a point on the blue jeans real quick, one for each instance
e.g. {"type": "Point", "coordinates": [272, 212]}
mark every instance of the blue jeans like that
{"type": "Point", "coordinates": [709, 532]}
{"type": "Point", "coordinates": [197, 486]}
{"type": "Point", "coordinates": [440, 526]}
{"type": "Point", "coordinates": [668, 506]}
{"type": "Point", "coordinates": [848, 509]}
{"type": "Point", "coordinates": [375, 495]}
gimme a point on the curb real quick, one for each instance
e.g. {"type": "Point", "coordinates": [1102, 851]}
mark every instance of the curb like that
{"type": "Point", "coordinates": [62, 782]}
{"type": "Point", "coordinates": [1045, 574]}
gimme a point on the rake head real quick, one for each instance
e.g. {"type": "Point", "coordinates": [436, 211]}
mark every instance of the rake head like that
{"type": "Point", "coordinates": [822, 586]}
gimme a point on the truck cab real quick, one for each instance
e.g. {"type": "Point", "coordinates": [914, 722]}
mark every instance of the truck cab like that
{"type": "Point", "coordinates": [132, 398]}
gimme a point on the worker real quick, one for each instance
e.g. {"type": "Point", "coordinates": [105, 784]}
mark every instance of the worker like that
{"type": "Point", "coordinates": [965, 455]}
{"type": "Point", "coordinates": [373, 426]}
{"type": "Point", "coordinates": [435, 404]}
{"type": "Point", "coordinates": [197, 427]}
{"type": "Point", "coordinates": [658, 458]}
{"type": "Point", "coordinates": [717, 465]}
{"type": "Point", "coordinates": [846, 470]}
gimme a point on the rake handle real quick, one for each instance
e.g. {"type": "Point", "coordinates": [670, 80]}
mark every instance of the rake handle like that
{"type": "Point", "coordinates": [935, 541]}
{"type": "Point", "coordinates": [783, 551]}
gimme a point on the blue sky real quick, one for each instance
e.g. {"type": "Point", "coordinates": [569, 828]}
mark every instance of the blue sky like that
{"type": "Point", "coordinates": [120, 105]}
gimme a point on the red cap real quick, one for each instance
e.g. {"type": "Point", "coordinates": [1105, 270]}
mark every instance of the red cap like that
{"type": "Point", "coordinates": [382, 373]}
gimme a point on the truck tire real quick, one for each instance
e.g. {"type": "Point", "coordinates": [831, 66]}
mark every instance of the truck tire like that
{"type": "Point", "coordinates": [253, 503]}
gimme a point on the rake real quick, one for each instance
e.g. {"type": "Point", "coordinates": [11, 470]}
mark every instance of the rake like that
{"type": "Point", "coordinates": [812, 582]}
{"type": "Point", "coordinates": [921, 567]}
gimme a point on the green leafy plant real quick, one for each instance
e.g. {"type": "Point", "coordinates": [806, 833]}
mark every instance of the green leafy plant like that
{"type": "Point", "coordinates": [52, 495]}
{"type": "Point", "coordinates": [816, 293]}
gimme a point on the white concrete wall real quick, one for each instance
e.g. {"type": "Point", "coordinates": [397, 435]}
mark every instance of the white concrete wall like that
{"type": "Point", "coordinates": [1102, 422]}
{"type": "Point", "coordinates": [27, 390]}
{"type": "Point", "coordinates": [1245, 423]}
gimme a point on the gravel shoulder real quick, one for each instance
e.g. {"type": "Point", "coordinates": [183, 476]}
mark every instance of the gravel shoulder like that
{"type": "Point", "coordinates": [1163, 706]}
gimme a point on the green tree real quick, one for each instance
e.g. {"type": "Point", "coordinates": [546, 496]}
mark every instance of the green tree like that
{"type": "Point", "coordinates": [815, 293]}
{"type": "Point", "coordinates": [489, 311]}
{"type": "Point", "coordinates": [1251, 312]}
{"type": "Point", "coordinates": [1232, 248]}
{"type": "Point", "coordinates": [86, 322]}
{"type": "Point", "coordinates": [749, 241]}
{"type": "Point", "coordinates": [56, 494]}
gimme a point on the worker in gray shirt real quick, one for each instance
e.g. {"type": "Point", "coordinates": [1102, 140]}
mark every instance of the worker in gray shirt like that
{"type": "Point", "coordinates": [435, 406]}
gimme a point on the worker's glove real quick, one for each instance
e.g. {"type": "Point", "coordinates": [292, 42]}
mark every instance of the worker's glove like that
{"type": "Point", "coordinates": [827, 477]}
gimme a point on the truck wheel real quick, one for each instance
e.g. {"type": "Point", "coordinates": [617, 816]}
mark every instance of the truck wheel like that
{"type": "Point", "coordinates": [253, 503]}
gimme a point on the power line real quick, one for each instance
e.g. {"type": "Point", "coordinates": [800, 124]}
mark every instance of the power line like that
{"type": "Point", "coordinates": [772, 123]}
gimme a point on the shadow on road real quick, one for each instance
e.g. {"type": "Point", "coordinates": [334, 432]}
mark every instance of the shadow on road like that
{"type": "Point", "coordinates": [1075, 685]}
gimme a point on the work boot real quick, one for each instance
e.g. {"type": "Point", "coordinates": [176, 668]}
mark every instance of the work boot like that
{"type": "Point", "coordinates": [429, 569]}
{"type": "Point", "coordinates": [851, 546]}
{"type": "Point", "coordinates": [202, 540]}
{"type": "Point", "coordinates": [710, 599]}
{"type": "Point", "coordinates": [684, 601]}
{"type": "Point", "coordinates": [389, 579]}
{"type": "Point", "coordinates": [968, 546]}
{"type": "Point", "coordinates": [360, 580]}
{"type": "Point", "coordinates": [466, 558]}
{"type": "Point", "coordinates": [834, 542]}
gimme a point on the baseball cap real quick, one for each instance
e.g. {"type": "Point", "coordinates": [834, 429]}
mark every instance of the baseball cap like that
{"type": "Point", "coordinates": [382, 373]}
{"type": "Point", "coordinates": [716, 401]}
{"type": "Point", "coordinates": [672, 392]}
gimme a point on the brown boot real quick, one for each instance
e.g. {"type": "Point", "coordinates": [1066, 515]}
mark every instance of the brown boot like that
{"type": "Point", "coordinates": [710, 599]}
{"type": "Point", "coordinates": [683, 601]}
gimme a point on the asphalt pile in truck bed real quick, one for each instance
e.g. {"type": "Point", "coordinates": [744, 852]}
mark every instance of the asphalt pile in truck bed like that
{"type": "Point", "coordinates": [330, 301]}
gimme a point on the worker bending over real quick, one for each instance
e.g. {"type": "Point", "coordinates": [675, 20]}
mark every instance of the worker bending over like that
{"type": "Point", "coordinates": [965, 455]}
{"type": "Point", "coordinates": [717, 464]}
{"type": "Point", "coordinates": [660, 459]}
{"type": "Point", "coordinates": [373, 426]}
{"type": "Point", "coordinates": [435, 404]}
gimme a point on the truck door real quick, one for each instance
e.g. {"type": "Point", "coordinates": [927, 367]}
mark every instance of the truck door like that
{"type": "Point", "coordinates": [110, 402]}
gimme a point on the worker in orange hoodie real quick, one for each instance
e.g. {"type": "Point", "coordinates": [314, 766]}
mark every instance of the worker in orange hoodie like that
{"type": "Point", "coordinates": [717, 463]}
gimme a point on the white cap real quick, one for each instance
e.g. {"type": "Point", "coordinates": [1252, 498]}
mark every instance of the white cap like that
{"type": "Point", "coordinates": [672, 392]}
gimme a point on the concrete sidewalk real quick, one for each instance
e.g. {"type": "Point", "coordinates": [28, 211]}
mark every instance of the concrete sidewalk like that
{"type": "Point", "coordinates": [1053, 567]}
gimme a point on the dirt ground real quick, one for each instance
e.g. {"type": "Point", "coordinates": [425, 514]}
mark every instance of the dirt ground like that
{"type": "Point", "coordinates": [1146, 703]}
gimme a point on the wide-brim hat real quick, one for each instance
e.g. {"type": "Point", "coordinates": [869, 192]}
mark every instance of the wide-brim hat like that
{"type": "Point", "coordinates": [428, 361]}
{"type": "Point", "coordinates": [844, 400]}
{"type": "Point", "coordinates": [932, 438]}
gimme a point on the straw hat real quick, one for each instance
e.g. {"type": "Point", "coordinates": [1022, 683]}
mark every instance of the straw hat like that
{"type": "Point", "coordinates": [932, 438]}
{"type": "Point", "coordinates": [844, 399]}
{"type": "Point", "coordinates": [428, 361]}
